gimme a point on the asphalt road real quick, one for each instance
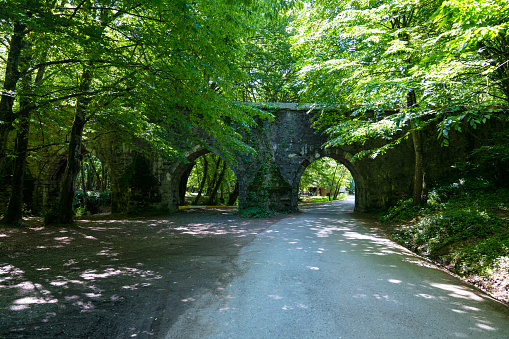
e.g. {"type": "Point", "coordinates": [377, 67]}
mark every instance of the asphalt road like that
{"type": "Point", "coordinates": [324, 274]}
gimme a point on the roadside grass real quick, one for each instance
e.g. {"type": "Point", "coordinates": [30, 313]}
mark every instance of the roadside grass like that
{"type": "Point", "coordinates": [317, 198]}
{"type": "Point", "coordinates": [464, 227]}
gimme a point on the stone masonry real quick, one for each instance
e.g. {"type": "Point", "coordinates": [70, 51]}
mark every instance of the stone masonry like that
{"type": "Point", "coordinates": [285, 147]}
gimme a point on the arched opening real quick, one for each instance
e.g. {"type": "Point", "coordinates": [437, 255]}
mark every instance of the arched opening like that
{"type": "Point", "coordinates": [207, 179]}
{"type": "Point", "coordinates": [328, 177]}
{"type": "Point", "coordinates": [93, 178]}
{"type": "Point", "coordinates": [93, 186]}
{"type": "Point", "coordinates": [325, 180]}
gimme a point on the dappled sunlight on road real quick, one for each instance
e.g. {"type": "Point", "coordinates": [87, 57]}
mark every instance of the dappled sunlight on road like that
{"type": "Point", "coordinates": [367, 285]}
{"type": "Point", "coordinates": [460, 292]}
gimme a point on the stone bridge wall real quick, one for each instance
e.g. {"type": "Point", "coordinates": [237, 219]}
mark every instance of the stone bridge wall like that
{"type": "Point", "coordinates": [286, 146]}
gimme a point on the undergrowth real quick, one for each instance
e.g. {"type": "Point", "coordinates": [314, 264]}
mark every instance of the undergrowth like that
{"type": "Point", "coordinates": [460, 227]}
{"type": "Point", "coordinates": [255, 212]}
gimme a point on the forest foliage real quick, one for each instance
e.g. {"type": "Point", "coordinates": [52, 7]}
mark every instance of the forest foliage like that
{"type": "Point", "coordinates": [328, 174]}
{"type": "Point", "coordinates": [153, 69]}
{"type": "Point", "coordinates": [158, 70]}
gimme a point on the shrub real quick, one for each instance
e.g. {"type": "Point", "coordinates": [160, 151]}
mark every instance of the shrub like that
{"type": "Point", "coordinates": [95, 201]}
{"type": "Point", "coordinates": [405, 209]}
{"type": "Point", "coordinates": [254, 212]}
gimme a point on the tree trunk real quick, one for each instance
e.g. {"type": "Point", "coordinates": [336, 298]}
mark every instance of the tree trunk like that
{"type": "Point", "coordinates": [12, 76]}
{"type": "Point", "coordinates": [418, 167]}
{"type": "Point", "coordinates": [213, 195]}
{"type": "Point", "coordinates": [332, 183]}
{"type": "Point", "coordinates": [203, 180]}
{"type": "Point", "coordinates": [83, 187]}
{"type": "Point", "coordinates": [14, 213]}
{"type": "Point", "coordinates": [338, 186]}
{"type": "Point", "coordinates": [424, 196]}
{"type": "Point", "coordinates": [98, 183]}
{"type": "Point", "coordinates": [213, 181]}
{"type": "Point", "coordinates": [66, 199]}
{"type": "Point", "coordinates": [418, 170]}
{"type": "Point", "coordinates": [183, 184]}
{"type": "Point", "coordinates": [104, 179]}
{"type": "Point", "coordinates": [235, 194]}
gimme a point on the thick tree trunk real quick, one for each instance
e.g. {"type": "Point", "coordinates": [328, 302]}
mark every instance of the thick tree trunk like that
{"type": "Point", "coordinates": [203, 181]}
{"type": "Point", "coordinates": [66, 199]}
{"type": "Point", "coordinates": [418, 170]}
{"type": "Point", "coordinates": [83, 186]}
{"type": "Point", "coordinates": [14, 213]}
{"type": "Point", "coordinates": [235, 194]}
{"type": "Point", "coordinates": [12, 76]}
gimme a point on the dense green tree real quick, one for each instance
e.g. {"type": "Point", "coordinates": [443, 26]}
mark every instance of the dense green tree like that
{"type": "Point", "coordinates": [270, 65]}
{"type": "Point", "coordinates": [172, 63]}
{"type": "Point", "coordinates": [390, 69]}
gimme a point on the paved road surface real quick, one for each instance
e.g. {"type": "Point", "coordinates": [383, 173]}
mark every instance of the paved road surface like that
{"type": "Point", "coordinates": [323, 274]}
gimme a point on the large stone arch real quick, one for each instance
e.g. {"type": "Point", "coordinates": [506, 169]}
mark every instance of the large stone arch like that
{"type": "Point", "coordinates": [285, 146]}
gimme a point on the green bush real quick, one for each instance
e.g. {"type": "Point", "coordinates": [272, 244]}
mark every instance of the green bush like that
{"type": "Point", "coordinates": [435, 232]}
{"type": "Point", "coordinates": [255, 212]}
{"type": "Point", "coordinates": [95, 201]}
{"type": "Point", "coordinates": [463, 224]}
{"type": "Point", "coordinates": [481, 257]}
{"type": "Point", "coordinates": [405, 209]}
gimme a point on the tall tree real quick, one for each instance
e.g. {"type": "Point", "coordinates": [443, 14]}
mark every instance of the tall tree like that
{"type": "Point", "coordinates": [174, 63]}
{"type": "Point", "coordinates": [14, 31]}
{"type": "Point", "coordinates": [270, 65]}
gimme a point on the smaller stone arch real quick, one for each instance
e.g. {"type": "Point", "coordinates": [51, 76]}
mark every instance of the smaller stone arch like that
{"type": "Point", "coordinates": [342, 157]}
{"type": "Point", "coordinates": [174, 180]}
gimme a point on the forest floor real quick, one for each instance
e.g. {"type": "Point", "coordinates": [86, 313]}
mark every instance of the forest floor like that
{"type": "Point", "coordinates": [109, 277]}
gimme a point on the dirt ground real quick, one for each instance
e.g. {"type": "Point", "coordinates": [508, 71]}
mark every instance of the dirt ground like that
{"type": "Point", "coordinates": [115, 278]}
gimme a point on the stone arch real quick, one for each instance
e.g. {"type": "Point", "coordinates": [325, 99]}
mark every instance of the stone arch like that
{"type": "Point", "coordinates": [50, 173]}
{"type": "Point", "coordinates": [342, 157]}
{"type": "Point", "coordinates": [178, 173]}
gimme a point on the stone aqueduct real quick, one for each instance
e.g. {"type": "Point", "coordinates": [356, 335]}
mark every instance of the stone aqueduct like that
{"type": "Point", "coordinates": [286, 146]}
